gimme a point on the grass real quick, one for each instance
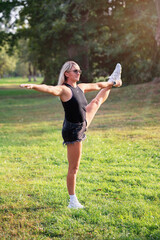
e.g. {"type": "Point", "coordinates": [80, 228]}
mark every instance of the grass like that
{"type": "Point", "coordinates": [13, 82]}
{"type": "Point", "coordinates": [118, 179]}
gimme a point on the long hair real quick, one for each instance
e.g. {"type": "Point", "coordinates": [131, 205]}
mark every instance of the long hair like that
{"type": "Point", "coordinates": [66, 67]}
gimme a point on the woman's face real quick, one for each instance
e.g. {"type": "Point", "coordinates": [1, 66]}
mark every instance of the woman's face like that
{"type": "Point", "coordinates": [74, 73]}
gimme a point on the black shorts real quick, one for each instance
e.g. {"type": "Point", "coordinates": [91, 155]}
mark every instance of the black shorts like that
{"type": "Point", "coordinates": [73, 132]}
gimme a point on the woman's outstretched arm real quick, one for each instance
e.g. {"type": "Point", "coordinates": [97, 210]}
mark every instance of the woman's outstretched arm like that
{"type": "Point", "coordinates": [54, 90]}
{"type": "Point", "coordinates": [88, 87]}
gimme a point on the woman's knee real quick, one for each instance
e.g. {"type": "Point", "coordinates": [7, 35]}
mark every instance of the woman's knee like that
{"type": "Point", "coordinates": [73, 170]}
{"type": "Point", "coordinates": [97, 101]}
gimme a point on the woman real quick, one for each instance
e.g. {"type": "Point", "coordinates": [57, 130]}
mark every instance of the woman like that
{"type": "Point", "coordinates": [78, 113]}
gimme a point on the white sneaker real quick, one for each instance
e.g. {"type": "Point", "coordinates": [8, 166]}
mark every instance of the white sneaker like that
{"type": "Point", "coordinates": [115, 77]}
{"type": "Point", "coordinates": [75, 204]}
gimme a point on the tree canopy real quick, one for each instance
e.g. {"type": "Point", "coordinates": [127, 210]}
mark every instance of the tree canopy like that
{"type": "Point", "coordinates": [95, 33]}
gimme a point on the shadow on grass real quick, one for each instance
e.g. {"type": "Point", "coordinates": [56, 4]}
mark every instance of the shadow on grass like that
{"type": "Point", "coordinates": [18, 210]}
{"type": "Point", "coordinates": [22, 212]}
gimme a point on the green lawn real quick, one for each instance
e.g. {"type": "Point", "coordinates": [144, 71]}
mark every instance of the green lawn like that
{"type": "Point", "coordinates": [119, 175]}
{"type": "Point", "coordinates": [12, 81]}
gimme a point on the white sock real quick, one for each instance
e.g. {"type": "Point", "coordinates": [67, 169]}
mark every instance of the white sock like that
{"type": "Point", "coordinates": [73, 198]}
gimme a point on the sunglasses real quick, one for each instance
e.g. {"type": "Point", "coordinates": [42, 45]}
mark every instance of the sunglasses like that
{"type": "Point", "coordinates": [76, 71]}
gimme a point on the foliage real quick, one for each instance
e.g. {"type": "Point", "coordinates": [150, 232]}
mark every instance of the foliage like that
{"type": "Point", "coordinates": [13, 64]}
{"type": "Point", "coordinates": [96, 34]}
{"type": "Point", "coordinates": [7, 63]}
{"type": "Point", "coordinates": [21, 69]}
{"type": "Point", "coordinates": [27, 62]}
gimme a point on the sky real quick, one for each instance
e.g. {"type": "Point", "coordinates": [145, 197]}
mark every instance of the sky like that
{"type": "Point", "coordinates": [14, 16]}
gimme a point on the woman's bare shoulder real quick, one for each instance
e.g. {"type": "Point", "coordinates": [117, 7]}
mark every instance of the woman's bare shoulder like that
{"type": "Point", "coordinates": [66, 93]}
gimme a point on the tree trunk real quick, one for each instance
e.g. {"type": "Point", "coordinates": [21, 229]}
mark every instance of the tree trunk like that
{"type": "Point", "coordinates": [156, 50]}
{"type": "Point", "coordinates": [157, 37]}
{"type": "Point", "coordinates": [81, 53]}
{"type": "Point", "coordinates": [155, 60]}
{"type": "Point", "coordinates": [85, 64]}
{"type": "Point", "coordinates": [30, 72]}
{"type": "Point", "coordinates": [34, 74]}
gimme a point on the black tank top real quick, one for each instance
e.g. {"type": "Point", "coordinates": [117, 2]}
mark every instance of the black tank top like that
{"type": "Point", "coordinates": [75, 108]}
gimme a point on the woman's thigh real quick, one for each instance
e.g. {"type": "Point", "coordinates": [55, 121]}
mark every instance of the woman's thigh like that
{"type": "Point", "coordinates": [91, 110]}
{"type": "Point", "coordinates": [94, 105]}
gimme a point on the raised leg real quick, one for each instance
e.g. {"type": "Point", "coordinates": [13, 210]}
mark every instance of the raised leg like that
{"type": "Point", "coordinates": [74, 155]}
{"type": "Point", "coordinates": [94, 105]}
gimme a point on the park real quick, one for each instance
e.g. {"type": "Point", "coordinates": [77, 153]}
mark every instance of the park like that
{"type": "Point", "coordinates": [118, 178]}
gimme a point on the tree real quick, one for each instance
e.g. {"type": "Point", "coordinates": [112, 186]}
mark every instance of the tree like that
{"type": "Point", "coordinates": [28, 58]}
{"type": "Point", "coordinates": [96, 34]}
{"type": "Point", "coordinates": [157, 36]}
{"type": "Point", "coordinates": [21, 69]}
{"type": "Point", "coordinates": [7, 63]}
{"type": "Point", "coordinates": [156, 54]}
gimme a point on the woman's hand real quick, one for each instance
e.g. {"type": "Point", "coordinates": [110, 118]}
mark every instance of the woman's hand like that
{"type": "Point", "coordinates": [28, 86]}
